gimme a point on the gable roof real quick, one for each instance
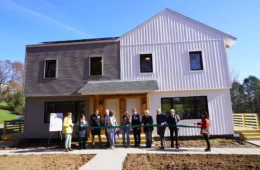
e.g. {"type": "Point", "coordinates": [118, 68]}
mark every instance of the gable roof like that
{"type": "Point", "coordinates": [229, 39]}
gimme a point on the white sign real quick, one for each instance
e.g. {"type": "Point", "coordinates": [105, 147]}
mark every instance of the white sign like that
{"type": "Point", "coordinates": [56, 122]}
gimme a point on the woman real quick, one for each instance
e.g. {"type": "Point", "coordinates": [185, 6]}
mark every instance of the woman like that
{"type": "Point", "coordinates": [111, 121]}
{"type": "Point", "coordinates": [173, 119]}
{"type": "Point", "coordinates": [204, 129]}
{"type": "Point", "coordinates": [148, 120]}
{"type": "Point", "coordinates": [126, 130]}
{"type": "Point", "coordinates": [82, 135]}
{"type": "Point", "coordinates": [67, 130]}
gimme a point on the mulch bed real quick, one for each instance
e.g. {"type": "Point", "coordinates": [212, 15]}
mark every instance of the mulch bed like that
{"type": "Point", "coordinates": [44, 161]}
{"type": "Point", "coordinates": [191, 162]}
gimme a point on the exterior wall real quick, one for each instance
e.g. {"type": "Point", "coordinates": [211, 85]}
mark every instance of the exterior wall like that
{"type": "Point", "coordinates": [170, 38]}
{"type": "Point", "coordinates": [72, 64]}
{"type": "Point", "coordinates": [34, 115]}
{"type": "Point", "coordinates": [219, 107]}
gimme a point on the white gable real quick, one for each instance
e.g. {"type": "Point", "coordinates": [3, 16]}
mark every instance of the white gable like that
{"type": "Point", "coordinates": [169, 27]}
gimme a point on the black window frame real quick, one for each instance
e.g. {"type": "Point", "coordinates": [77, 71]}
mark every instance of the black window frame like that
{"type": "Point", "coordinates": [151, 64]}
{"type": "Point", "coordinates": [195, 105]}
{"type": "Point", "coordinates": [76, 114]}
{"type": "Point", "coordinates": [91, 72]}
{"type": "Point", "coordinates": [47, 67]}
{"type": "Point", "coordinates": [201, 62]}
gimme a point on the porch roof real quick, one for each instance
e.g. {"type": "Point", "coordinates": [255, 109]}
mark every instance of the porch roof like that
{"type": "Point", "coordinates": [119, 86]}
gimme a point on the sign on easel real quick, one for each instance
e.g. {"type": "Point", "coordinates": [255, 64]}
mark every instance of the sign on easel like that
{"type": "Point", "coordinates": [55, 124]}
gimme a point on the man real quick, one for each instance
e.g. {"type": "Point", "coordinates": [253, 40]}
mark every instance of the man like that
{"type": "Point", "coordinates": [136, 120]}
{"type": "Point", "coordinates": [95, 120]}
{"type": "Point", "coordinates": [174, 119]}
{"type": "Point", "coordinates": [106, 115]}
{"type": "Point", "coordinates": [161, 121]}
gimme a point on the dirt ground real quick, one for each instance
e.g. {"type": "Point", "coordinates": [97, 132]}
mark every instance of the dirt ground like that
{"type": "Point", "coordinates": [228, 143]}
{"type": "Point", "coordinates": [183, 143]}
{"type": "Point", "coordinates": [44, 161]}
{"type": "Point", "coordinates": [191, 162]}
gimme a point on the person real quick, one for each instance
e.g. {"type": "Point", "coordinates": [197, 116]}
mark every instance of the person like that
{"type": "Point", "coordinates": [148, 120]}
{"type": "Point", "coordinates": [204, 129]}
{"type": "Point", "coordinates": [161, 120]}
{"type": "Point", "coordinates": [126, 130]}
{"type": "Point", "coordinates": [95, 120]}
{"type": "Point", "coordinates": [67, 130]}
{"type": "Point", "coordinates": [104, 123]}
{"type": "Point", "coordinates": [111, 121]}
{"type": "Point", "coordinates": [82, 135]}
{"type": "Point", "coordinates": [136, 120]}
{"type": "Point", "coordinates": [173, 119]}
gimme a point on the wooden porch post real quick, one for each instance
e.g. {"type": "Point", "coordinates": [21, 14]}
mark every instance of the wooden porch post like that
{"type": "Point", "coordinates": [148, 102]}
{"type": "Point", "coordinates": [90, 105]}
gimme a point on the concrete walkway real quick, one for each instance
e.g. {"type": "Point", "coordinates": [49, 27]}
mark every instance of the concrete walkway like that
{"type": "Point", "coordinates": [113, 159]}
{"type": "Point", "coordinates": [254, 142]}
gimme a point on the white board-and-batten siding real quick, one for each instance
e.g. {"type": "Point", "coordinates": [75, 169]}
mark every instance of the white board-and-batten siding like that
{"type": "Point", "coordinates": [219, 108]}
{"type": "Point", "coordinates": [169, 39]}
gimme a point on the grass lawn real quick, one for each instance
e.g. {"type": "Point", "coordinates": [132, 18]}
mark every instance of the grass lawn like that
{"type": "Point", "coordinates": [3, 104]}
{"type": "Point", "coordinates": [7, 115]}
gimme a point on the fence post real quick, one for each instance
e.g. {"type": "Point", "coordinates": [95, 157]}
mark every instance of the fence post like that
{"type": "Point", "coordinates": [257, 121]}
{"type": "Point", "coordinates": [243, 120]}
{"type": "Point", "coordinates": [4, 127]}
{"type": "Point", "coordinates": [20, 127]}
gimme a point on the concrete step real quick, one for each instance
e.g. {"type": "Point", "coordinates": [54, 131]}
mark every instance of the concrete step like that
{"type": "Point", "coordinates": [251, 137]}
{"type": "Point", "coordinates": [247, 131]}
{"type": "Point", "coordinates": [250, 134]}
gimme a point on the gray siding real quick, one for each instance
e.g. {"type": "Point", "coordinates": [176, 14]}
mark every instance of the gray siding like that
{"type": "Point", "coordinates": [34, 115]}
{"type": "Point", "coordinates": [73, 67]}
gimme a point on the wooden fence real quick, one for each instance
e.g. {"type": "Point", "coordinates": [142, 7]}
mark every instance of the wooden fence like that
{"type": "Point", "coordinates": [13, 126]}
{"type": "Point", "coordinates": [246, 120]}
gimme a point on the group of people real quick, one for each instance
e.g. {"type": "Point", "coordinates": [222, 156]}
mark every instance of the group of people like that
{"type": "Point", "coordinates": [134, 121]}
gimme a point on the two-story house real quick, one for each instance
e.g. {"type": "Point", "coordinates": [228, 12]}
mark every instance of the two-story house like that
{"type": "Point", "coordinates": [169, 61]}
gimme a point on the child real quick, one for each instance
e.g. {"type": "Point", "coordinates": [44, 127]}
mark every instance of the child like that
{"type": "Point", "coordinates": [82, 125]}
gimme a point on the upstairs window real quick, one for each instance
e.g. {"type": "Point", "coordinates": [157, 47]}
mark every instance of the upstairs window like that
{"type": "Point", "coordinates": [146, 63]}
{"type": "Point", "coordinates": [95, 66]}
{"type": "Point", "coordinates": [196, 60]}
{"type": "Point", "coordinates": [50, 68]}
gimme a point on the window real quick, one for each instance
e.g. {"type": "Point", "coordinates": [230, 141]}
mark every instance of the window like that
{"type": "Point", "coordinates": [75, 107]}
{"type": "Point", "coordinates": [196, 61]}
{"type": "Point", "coordinates": [50, 68]}
{"type": "Point", "coordinates": [95, 66]}
{"type": "Point", "coordinates": [146, 63]}
{"type": "Point", "coordinates": [186, 107]}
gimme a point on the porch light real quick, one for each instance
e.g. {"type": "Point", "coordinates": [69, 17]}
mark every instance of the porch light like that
{"type": "Point", "coordinates": [100, 103]}
{"type": "Point", "coordinates": [147, 58]}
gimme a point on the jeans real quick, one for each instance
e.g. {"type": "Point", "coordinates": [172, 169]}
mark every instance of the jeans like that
{"type": "Point", "coordinates": [125, 131]}
{"type": "Point", "coordinates": [148, 137]}
{"type": "Point", "coordinates": [161, 131]}
{"type": "Point", "coordinates": [175, 130]}
{"type": "Point", "coordinates": [111, 137]}
{"type": "Point", "coordinates": [68, 140]}
{"type": "Point", "coordinates": [107, 137]}
{"type": "Point", "coordinates": [137, 136]}
{"type": "Point", "coordinates": [207, 141]}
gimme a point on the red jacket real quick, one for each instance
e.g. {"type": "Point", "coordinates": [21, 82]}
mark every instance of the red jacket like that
{"type": "Point", "coordinates": [204, 124]}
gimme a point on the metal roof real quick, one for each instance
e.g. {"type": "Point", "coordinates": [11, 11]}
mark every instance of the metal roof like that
{"type": "Point", "coordinates": [81, 40]}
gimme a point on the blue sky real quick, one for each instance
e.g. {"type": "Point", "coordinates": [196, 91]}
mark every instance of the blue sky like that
{"type": "Point", "coordinates": [33, 21]}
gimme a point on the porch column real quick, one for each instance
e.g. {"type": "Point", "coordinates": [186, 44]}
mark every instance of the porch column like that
{"type": "Point", "coordinates": [148, 102]}
{"type": "Point", "coordinates": [90, 105]}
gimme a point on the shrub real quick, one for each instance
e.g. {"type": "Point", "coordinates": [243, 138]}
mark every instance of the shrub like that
{"type": "Point", "coordinates": [17, 102]}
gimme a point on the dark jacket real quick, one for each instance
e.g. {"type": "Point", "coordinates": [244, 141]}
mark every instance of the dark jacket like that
{"type": "Point", "coordinates": [161, 118]}
{"type": "Point", "coordinates": [82, 125]}
{"type": "Point", "coordinates": [147, 121]}
{"type": "Point", "coordinates": [136, 119]}
{"type": "Point", "coordinates": [125, 121]}
{"type": "Point", "coordinates": [173, 120]}
{"type": "Point", "coordinates": [95, 120]}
